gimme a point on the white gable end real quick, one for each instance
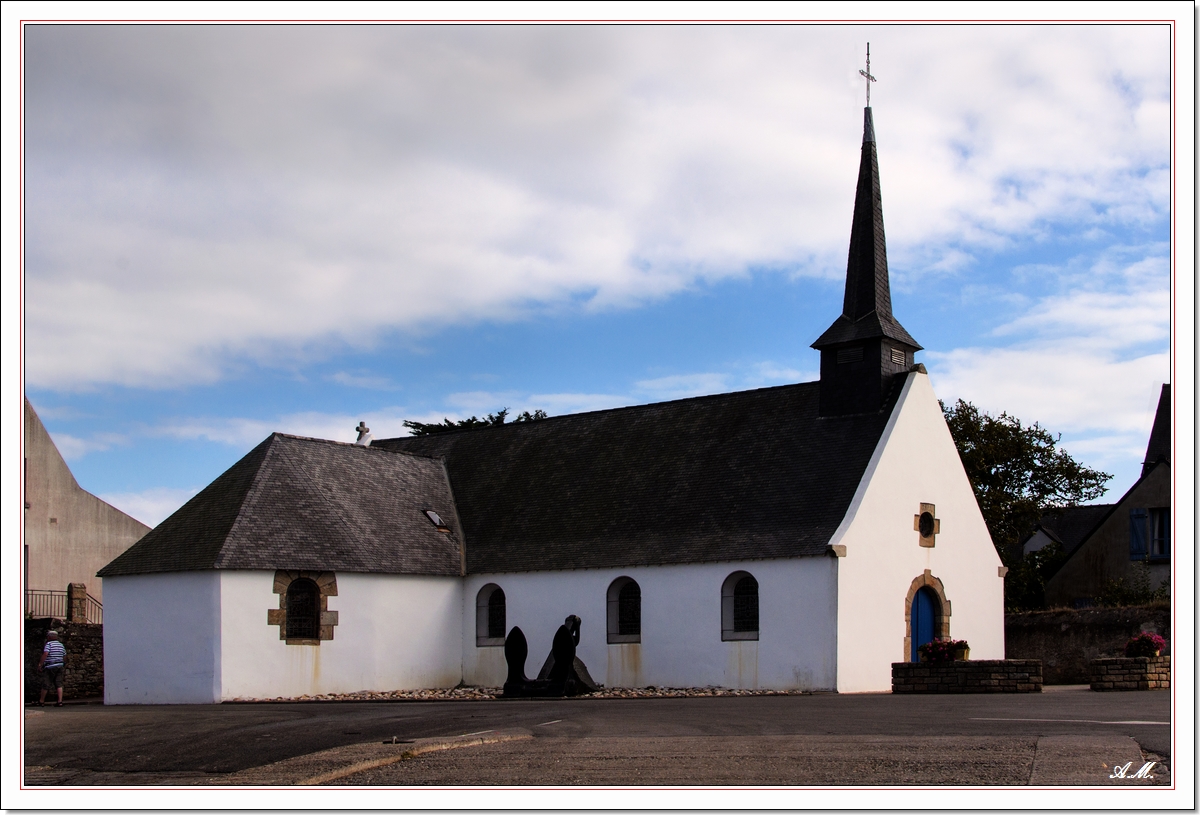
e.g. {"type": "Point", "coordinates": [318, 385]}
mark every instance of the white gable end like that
{"type": "Point", "coordinates": [915, 463]}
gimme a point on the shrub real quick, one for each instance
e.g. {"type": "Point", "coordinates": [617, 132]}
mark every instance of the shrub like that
{"type": "Point", "coordinates": [1145, 644]}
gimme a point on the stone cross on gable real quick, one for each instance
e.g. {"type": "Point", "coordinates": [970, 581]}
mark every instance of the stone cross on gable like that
{"type": "Point", "coordinates": [867, 75]}
{"type": "Point", "coordinates": [364, 434]}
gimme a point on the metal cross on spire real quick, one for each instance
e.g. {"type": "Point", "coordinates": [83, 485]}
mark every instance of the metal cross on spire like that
{"type": "Point", "coordinates": [867, 75]}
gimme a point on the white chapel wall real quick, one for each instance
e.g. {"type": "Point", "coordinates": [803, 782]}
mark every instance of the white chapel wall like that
{"type": "Point", "coordinates": [916, 462]}
{"type": "Point", "coordinates": [394, 632]}
{"type": "Point", "coordinates": [162, 638]}
{"type": "Point", "coordinates": [681, 642]}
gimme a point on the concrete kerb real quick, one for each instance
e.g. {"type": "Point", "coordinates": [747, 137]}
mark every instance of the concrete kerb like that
{"type": "Point", "coordinates": [339, 762]}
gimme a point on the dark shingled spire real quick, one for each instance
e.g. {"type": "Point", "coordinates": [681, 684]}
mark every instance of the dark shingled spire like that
{"type": "Point", "coordinates": [867, 307]}
{"type": "Point", "coordinates": [865, 347]}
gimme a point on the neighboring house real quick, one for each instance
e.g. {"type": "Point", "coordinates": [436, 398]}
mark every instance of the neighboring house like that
{"type": "Point", "coordinates": [1135, 530]}
{"type": "Point", "coordinates": [1066, 526]}
{"type": "Point", "coordinates": [69, 533]}
{"type": "Point", "coordinates": [803, 536]}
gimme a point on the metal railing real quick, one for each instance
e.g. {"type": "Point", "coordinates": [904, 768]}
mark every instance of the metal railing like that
{"type": "Point", "coordinates": [46, 603]}
{"type": "Point", "coordinates": [54, 603]}
{"type": "Point", "coordinates": [95, 611]}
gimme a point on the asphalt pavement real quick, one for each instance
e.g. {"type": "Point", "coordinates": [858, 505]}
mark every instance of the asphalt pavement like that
{"type": "Point", "coordinates": [1062, 736]}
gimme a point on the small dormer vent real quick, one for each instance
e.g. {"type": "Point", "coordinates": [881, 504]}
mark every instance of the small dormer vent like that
{"type": "Point", "coordinates": [437, 521]}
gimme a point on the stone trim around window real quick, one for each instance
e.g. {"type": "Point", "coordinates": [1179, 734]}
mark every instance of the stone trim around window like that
{"type": "Point", "coordinates": [932, 525]}
{"type": "Point", "coordinates": [326, 588]}
{"type": "Point", "coordinates": [943, 623]}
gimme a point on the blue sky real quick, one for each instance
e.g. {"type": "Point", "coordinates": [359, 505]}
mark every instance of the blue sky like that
{"type": "Point", "coordinates": [236, 230]}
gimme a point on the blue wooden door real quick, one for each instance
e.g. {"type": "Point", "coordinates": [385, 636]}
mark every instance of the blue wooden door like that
{"type": "Point", "coordinates": [924, 610]}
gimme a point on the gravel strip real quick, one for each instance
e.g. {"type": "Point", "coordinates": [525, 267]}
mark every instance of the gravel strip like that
{"type": "Point", "coordinates": [456, 694]}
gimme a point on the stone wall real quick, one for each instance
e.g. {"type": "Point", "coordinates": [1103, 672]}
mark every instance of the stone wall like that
{"type": "Point", "coordinates": [1131, 673]}
{"type": "Point", "coordinates": [1067, 640]}
{"type": "Point", "coordinates": [84, 643]}
{"type": "Point", "coordinates": [968, 676]}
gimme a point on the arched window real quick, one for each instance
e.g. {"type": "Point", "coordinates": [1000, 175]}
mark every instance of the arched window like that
{"type": "Point", "coordinates": [624, 610]}
{"type": "Point", "coordinates": [739, 607]}
{"type": "Point", "coordinates": [490, 616]}
{"type": "Point", "coordinates": [303, 610]}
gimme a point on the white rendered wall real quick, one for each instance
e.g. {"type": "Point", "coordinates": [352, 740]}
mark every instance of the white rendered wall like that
{"type": "Point", "coordinates": [681, 625]}
{"type": "Point", "coordinates": [916, 461]}
{"type": "Point", "coordinates": [162, 638]}
{"type": "Point", "coordinates": [394, 632]}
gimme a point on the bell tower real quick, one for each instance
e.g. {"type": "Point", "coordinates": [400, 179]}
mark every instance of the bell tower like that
{"type": "Point", "coordinates": [866, 346]}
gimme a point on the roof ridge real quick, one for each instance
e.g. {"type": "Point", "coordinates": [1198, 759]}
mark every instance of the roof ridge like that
{"type": "Point", "coordinates": [368, 447]}
{"type": "Point", "coordinates": [600, 411]}
{"type": "Point", "coordinates": [356, 535]}
{"type": "Point", "coordinates": [256, 488]}
{"type": "Point", "coordinates": [149, 545]}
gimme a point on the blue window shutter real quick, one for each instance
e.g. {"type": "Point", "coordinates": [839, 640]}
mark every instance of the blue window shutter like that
{"type": "Point", "coordinates": [1137, 534]}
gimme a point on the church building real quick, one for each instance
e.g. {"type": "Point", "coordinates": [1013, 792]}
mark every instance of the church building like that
{"type": "Point", "coordinates": [796, 537]}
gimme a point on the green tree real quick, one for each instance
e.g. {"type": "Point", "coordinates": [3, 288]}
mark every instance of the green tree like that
{"type": "Point", "coordinates": [1025, 583]}
{"type": "Point", "coordinates": [1017, 472]}
{"type": "Point", "coordinates": [473, 423]}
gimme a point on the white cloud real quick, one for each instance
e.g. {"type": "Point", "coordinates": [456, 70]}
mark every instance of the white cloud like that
{"type": "Point", "coordinates": [765, 374]}
{"type": "Point", "coordinates": [73, 448]}
{"type": "Point", "coordinates": [363, 380]}
{"type": "Point", "coordinates": [247, 432]}
{"type": "Point", "coordinates": [1066, 389]}
{"type": "Point", "coordinates": [151, 506]}
{"type": "Point", "coordinates": [1087, 364]}
{"type": "Point", "coordinates": [681, 386]}
{"type": "Point", "coordinates": [197, 197]}
{"type": "Point", "coordinates": [388, 422]}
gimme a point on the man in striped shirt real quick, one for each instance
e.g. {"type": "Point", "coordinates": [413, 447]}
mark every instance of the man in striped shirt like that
{"type": "Point", "coordinates": [54, 656]}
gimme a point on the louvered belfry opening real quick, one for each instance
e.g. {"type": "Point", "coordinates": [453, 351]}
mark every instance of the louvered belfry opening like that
{"type": "Point", "coordinates": [303, 609]}
{"type": "Point", "coordinates": [866, 346]}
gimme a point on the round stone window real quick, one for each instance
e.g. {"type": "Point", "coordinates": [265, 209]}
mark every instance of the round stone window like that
{"type": "Point", "coordinates": [926, 524]}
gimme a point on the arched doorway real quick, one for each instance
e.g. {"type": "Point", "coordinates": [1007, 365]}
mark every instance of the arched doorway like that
{"type": "Point", "coordinates": [923, 619]}
{"type": "Point", "coordinates": [926, 614]}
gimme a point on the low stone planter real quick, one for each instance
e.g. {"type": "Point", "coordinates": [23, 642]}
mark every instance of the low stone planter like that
{"type": "Point", "coordinates": [1131, 673]}
{"type": "Point", "coordinates": [969, 676]}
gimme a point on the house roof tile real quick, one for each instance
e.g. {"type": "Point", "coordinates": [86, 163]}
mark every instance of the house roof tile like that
{"type": "Point", "coordinates": [755, 474]}
{"type": "Point", "coordinates": [299, 503]}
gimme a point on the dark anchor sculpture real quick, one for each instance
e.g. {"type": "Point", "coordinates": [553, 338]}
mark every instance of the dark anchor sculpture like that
{"type": "Point", "coordinates": [564, 674]}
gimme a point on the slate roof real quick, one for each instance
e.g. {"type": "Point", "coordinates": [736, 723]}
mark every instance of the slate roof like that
{"type": "Point", "coordinates": [1070, 526]}
{"type": "Point", "coordinates": [867, 305]}
{"type": "Point", "coordinates": [1159, 445]}
{"type": "Point", "coordinates": [755, 474]}
{"type": "Point", "coordinates": [299, 503]}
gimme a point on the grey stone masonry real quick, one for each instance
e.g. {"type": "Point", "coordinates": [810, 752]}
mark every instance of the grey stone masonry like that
{"type": "Point", "coordinates": [968, 676]}
{"type": "Point", "coordinates": [1131, 673]}
{"type": "Point", "coordinates": [84, 642]}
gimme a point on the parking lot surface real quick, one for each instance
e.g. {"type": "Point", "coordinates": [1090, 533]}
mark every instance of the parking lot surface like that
{"type": "Point", "coordinates": [1063, 736]}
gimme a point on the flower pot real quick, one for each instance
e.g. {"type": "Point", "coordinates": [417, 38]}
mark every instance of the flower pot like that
{"type": "Point", "coordinates": [962, 654]}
